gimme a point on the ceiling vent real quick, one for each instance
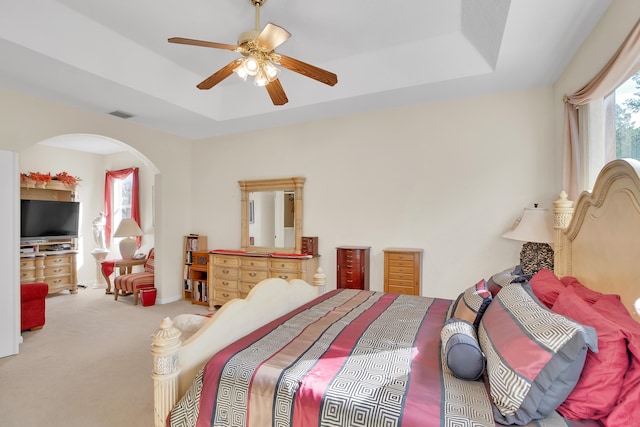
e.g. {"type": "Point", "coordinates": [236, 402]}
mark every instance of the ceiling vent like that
{"type": "Point", "coordinates": [121, 114]}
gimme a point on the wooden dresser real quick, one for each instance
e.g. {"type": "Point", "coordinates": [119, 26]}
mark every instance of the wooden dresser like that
{"type": "Point", "coordinates": [403, 271]}
{"type": "Point", "coordinates": [234, 275]}
{"type": "Point", "coordinates": [352, 267]}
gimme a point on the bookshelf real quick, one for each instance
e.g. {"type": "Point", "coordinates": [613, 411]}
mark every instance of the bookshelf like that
{"type": "Point", "coordinates": [194, 276]}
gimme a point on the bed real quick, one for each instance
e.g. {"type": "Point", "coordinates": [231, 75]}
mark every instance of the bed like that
{"type": "Point", "coordinates": [557, 349]}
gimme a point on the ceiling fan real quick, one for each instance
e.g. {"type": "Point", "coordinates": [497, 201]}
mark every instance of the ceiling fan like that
{"type": "Point", "coordinates": [260, 60]}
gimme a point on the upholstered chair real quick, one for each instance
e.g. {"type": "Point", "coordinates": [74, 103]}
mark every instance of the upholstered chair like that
{"type": "Point", "coordinates": [132, 283]}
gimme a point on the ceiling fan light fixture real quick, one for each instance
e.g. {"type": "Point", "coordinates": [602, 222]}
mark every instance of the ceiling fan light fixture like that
{"type": "Point", "coordinates": [261, 78]}
{"type": "Point", "coordinates": [251, 65]}
{"type": "Point", "coordinates": [271, 71]}
{"type": "Point", "coordinates": [241, 72]}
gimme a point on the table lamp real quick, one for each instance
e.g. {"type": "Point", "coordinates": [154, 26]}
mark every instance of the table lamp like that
{"type": "Point", "coordinates": [535, 228]}
{"type": "Point", "coordinates": [128, 229]}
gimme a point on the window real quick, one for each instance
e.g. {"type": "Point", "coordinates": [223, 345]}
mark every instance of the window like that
{"type": "Point", "coordinates": [627, 116]}
{"type": "Point", "coordinates": [121, 199]}
{"type": "Point", "coordinates": [121, 194]}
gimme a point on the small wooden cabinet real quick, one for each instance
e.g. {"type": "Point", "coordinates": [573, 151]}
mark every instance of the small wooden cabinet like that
{"type": "Point", "coordinates": [352, 267]}
{"type": "Point", "coordinates": [194, 276]}
{"type": "Point", "coordinates": [234, 275]}
{"type": "Point", "coordinates": [403, 271]}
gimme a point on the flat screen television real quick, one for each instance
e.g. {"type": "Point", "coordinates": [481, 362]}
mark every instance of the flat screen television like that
{"type": "Point", "coordinates": [48, 219]}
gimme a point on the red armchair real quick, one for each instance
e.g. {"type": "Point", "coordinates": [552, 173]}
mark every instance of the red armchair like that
{"type": "Point", "coordinates": [132, 283]}
{"type": "Point", "coordinates": [32, 305]}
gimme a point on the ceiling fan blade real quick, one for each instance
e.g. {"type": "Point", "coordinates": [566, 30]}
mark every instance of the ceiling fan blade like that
{"type": "Point", "coordinates": [219, 75]}
{"type": "Point", "coordinates": [181, 40]}
{"type": "Point", "coordinates": [276, 92]}
{"type": "Point", "coordinates": [272, 36]}
{"type": "Point", "coordinates": [308, 70]}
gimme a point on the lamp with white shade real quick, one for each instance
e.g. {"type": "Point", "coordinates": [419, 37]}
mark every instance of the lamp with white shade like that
{"type": "Point", "coordinates": [128, 229]}
{"type": "Point", "coordinates": [535, 228]}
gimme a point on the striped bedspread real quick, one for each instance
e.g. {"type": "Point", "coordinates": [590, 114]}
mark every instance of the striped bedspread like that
{"type": "Point", "coordinates": [348, 358]}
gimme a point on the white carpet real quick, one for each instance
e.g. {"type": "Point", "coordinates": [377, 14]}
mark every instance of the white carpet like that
{"type": "Point", "coordinates": [89, 366]}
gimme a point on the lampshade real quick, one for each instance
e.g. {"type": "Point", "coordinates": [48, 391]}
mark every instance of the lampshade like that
{"type": "Point", "coordinates": [535, 228]}
{"type": "Point", "coordinates": [127, 229]}
{"type": "Point", "coordinates": [535, 225]}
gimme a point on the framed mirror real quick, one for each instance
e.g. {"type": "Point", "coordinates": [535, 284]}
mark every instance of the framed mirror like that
{"type": "Point", "coordinates": [271, 215]}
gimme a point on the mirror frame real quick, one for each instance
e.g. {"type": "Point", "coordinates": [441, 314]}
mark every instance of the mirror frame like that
{"type": "Point", "coordinates": [294, 184]}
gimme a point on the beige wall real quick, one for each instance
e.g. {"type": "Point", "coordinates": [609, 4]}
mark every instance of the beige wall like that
{"type": "Point", "coordinates": [448, 177]}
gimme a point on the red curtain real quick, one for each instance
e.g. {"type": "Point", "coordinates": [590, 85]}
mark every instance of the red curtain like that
{"type": "Point", "coordinates": [135, 205]}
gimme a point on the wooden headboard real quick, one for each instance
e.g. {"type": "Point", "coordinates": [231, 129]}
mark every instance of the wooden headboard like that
{"type": "Point", "coordinates": [600, 246]}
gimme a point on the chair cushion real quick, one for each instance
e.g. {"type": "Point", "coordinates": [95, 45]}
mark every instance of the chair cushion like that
{"type": "Point", "coordinates": [134, 281]}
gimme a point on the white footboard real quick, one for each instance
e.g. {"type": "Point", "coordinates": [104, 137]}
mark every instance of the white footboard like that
{"type": "Point", "coordinates": [176, 364]}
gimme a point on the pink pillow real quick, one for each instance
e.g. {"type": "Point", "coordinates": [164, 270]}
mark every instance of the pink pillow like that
{"type": "Point", "coordinates": [546, 287]}
{"type": "Point", "coordinates": [589, 295]}
{"type": "Point", "coordinates": [601, 381]}
{"type": "Point", "coordinates": [627, 410]}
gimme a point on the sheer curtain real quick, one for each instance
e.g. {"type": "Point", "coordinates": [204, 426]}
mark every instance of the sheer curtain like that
{"type": "Point", "coordinates": [624, 64]}
{"type": "Point", "coordinates": [108, 197]}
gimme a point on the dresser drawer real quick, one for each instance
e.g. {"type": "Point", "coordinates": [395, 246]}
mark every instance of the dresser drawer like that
{"type": "Point", "coordinates": [397, 257]}
{"type": "Point", "coordinates": [27, 263]}
{"type": "Point", "coordinates": [286, 275]}
{"type": "Point", "coordinates": [253, 275]}
{"type": "Point", "coordinates": [221, 260]}
{"type": "Point", "coordinates": [53, 282]}
{"type": "Point", "coordinates": [225, 284]}
{"type": "Point", "coordinates": [57, 260]}
{"type": "Point", "coordinates": [222, 295]}
{"type": "Point", "coordinates": [226, 272]}
{"type": "Point", "coordinates": [350, 255]}
{"type": "Point", "coordinates": [57, 270]}
{"type": "Point", "coordinates": [403, 290]}
{"type": "Point", "coordinates": [245, 288]}
{"type": "Point", "coordinates": [249, 262]}
{"type": "Point", "coordinates": [28, 275]}
{"type": "Point", "coordinates": [352, 283]}
{"type": "Point", "coordinates": [284, 264]}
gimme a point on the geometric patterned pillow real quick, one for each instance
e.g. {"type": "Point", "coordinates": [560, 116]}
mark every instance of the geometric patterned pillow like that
{"type": "Point", "coordinates": [503, 278]}
{"type": "Point", "coordinates": [472, 303]}
{"type": "Point", "coordinates": [461, 349]}
{"type": "Point", "coordinates": [534, 356]}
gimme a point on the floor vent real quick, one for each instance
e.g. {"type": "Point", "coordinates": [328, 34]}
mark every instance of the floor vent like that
{"type": "Point", "coordinates": [121, 114]}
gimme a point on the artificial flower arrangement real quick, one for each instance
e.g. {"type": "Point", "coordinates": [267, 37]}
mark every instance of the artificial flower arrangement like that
{"type": "Point", "coordinates": [62, 177]}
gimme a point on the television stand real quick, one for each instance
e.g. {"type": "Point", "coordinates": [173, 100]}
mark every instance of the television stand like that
{"type": "Point", "coordinates": [50, 261]}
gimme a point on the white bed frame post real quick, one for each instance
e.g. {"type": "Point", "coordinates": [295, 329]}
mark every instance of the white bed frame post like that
{"type": "Point", "coordinates": [562, 213]}
{"type": "Point", "coordinates": [165, 348]}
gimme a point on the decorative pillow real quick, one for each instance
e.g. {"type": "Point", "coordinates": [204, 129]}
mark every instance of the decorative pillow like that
{"type": "Point", "coordinates": [534, 356]}
{"type": "Point", "coordinates": [503, 278]}
{"type": "Point", "coordinates": [589, 295]}
{"type": "Point", "coordinates": [472, 303]}
{"type": "Point", "coordinates": [461, 349]}
{"type": "Point", "coordinates": [626, 411]}
{"type": "Point", "coordinates": [546, 286]}
{"type": "Point", "coordinates": [601, 379]}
